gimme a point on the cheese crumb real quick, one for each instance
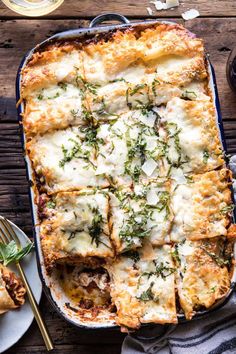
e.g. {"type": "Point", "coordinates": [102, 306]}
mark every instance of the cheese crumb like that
{"type": "Point", "coordinates": [172, 3]}
{"type": "Point", "coordinates": [190, 14]}
{"type": "Point", "coordinates": [159, 5]}
{"type": "Point", "coordinates": [149, 11]}
{"type": "Point", "coordinates": [149, 166]}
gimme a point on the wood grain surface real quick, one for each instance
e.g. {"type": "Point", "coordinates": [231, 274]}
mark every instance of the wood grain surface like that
{"type": "Point", "coordinates": [217, 25]}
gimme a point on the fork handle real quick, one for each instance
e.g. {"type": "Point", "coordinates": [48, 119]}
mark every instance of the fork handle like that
{"type": "Point", "coordinates": [35, 309]}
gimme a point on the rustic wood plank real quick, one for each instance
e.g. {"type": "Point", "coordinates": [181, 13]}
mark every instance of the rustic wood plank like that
{"type": "Point", "coordinates": [219, 35]}
{"type": "Point", "coordinates": [90, 8]}
{"type": "Point", "coordinates": [68, 349]}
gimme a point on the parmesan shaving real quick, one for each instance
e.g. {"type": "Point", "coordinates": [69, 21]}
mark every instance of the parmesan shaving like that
{"type": "Point", "coordinates": [149, 11]}
{"type": "Point", "coordinates": [159, 5]}
{"type": "Point", "coordinates": [149, 167]}
{"type": "Point", "coordinates": [190, 14]}
{"type": "Point", "coordinates": [172, 3]}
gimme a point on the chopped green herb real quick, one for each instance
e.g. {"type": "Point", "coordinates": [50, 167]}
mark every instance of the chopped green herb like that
{"type": "Point", "coordinates": [51, 204]}
{"type": "Point", "coordinates": [137, 88]}
{"type": "Point", "coordinates": [11, 253]}
{"type": "Point", "coordinates": [206, 156]}
{"type": "Point", "coordinates": [154, 83]}
{"type": "Point", "coordinates": [175, 255]}
{"type": "Point", "coordinates": [75, 152]}
{"type": "Point", "coordinates": [86, 86]}
{"type": "Point", "coordinates": [147, 295]}
{"type": "Point", "coordinates": [189, 179]}
{"type": "Point", "coordinates": [40, 96]}
{"type": "Point", "coordinates": [227, 209]}
{"type": "Point", "coordinates": [87, 116]}
{"type": "Point", "coordinates": [95, 229]}
{"type": "Point", "coordinates": [161, 270]}
{"type": "Point", "coordinates": [189, 95]}
{"type": "Point", "coordinates": [213, 289]}
{"type": "Point", "coordinates": [217, 259]}
{"type": "Point", "coordinates": [117, 80]}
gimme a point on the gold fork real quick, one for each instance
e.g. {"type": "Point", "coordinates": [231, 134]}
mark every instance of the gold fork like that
{"type": "Point", "coordinates": [7, 234]}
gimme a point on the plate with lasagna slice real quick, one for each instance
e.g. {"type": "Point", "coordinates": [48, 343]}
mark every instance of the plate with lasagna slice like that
{"type": "Point", "coordinates": [130, 191]}
{"type": "Point", "coordinates": [15, 312]}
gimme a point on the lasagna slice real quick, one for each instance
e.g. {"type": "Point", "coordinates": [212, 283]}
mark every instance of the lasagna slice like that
{"type": "Point", "coordinates": [12, 291]}
{"type": "Point", "coordinates": [202, 275]}
{"type": "Point", "coordinates": [143, 288]}
{"type": "Point", "coordinates": [51, 108]}
{"type": "Point", "coordinates": [192, 135]}
{"type": "Point", "coordinates": [54, 65]}
{"type": "Point", "coordinates": [131, 149]}
{"type": "Point", "coordinates": [65, 160]}
{"type": "Point", "coordinates": [140, 214]}
{"type": "Point", "coordinates": [130, 55]}
{"type": "Point", "coordinates": [75, 228]}
{"type": "Point", "coordinates": [201, 206]}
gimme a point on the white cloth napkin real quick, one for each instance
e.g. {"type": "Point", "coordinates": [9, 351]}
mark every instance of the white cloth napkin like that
{"type": "Point", "coordinates": [212, 334]}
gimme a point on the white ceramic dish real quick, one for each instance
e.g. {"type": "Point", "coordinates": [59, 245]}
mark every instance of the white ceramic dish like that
{"type": "Point", "coordinates": [15, 323]}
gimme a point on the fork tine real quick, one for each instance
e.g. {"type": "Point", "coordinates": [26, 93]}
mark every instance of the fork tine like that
{"type": "Point", "coordinates": [3, 239]}
{"type": "Point", "coordinates": [10, 231]}
{"type": "Point", "coordinates": [5, 233]}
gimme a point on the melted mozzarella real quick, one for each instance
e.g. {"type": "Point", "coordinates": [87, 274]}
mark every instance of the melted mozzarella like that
{"type": "Point", "coordinates": [193, 136]}
{"type": "Point", "coordinates": [144, 214]}
{"type": "Point", "coordinates": [53, 108]}
{"type": "Point", "coordinates": [198, 207]}
{"type": "Point", "coordinates": [78, 227]}
{"type": "Point", "coordinates": [200, 279]}
{"type": "Point", "coordinates": [61, 173]}
{"type": "Point", "coordinates": [140, 293]}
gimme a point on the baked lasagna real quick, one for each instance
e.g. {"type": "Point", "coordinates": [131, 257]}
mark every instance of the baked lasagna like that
{"type": "Point", "coordinates": [133, 194]}
{"type": "Point", "coordinates": [12, 290]}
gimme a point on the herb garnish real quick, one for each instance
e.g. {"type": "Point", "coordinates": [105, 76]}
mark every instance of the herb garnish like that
{"type": "Point", "coordinates": [11, 253]}
{"type": "Point", "coordinates": [148, 294]}
{"type": "Point", "coordinates": [86, 86]}
{"type": "Point", "coordinates": [162, 270]}
{"type": "Point", "coordinates": [75, 152]}
{"type": "Point", "coordinates": [155, 81]}
{"type": "Point", "coordinates": [51, 204]}
{"type": "Point", "coordinates": [95, 229]}
{"type": "Point", "coordinates": [189, 95]}
{"type": "Point", "coordinates": [206, 156]}
{"type": "Point", "coordinates": [217, 259]}
{"type": "Point", "coordinates": [227, 209]}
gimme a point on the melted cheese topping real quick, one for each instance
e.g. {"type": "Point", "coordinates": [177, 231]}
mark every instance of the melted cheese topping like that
{"type": "Point", "coordinates": [143, 290]}
{"type": "Point", "coordinates": [78, 227]}
{"type": "Point", "coordinates": [139, 215]}
{"type": "Point", "coordinates": [57, 106]}
{"type": "Point", "coordinates": [64, 160]}
{"type": "Point", "coordinates": [200, 207]}
{"type": "Point", "coordinates": [202, 276]}
{"type": "Point", "coordinates": [193, 137]}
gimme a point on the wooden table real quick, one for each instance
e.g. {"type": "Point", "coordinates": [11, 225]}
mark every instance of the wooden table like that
{"type": "Point", "coordinates": [217, 25]}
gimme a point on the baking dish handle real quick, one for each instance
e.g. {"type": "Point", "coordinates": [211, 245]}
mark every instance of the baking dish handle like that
{"type": "Point", "coordinates": [108, 17]}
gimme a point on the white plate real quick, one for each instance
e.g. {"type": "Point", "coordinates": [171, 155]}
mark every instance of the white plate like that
{"type": "Point", "coordinates": [15, 323]}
